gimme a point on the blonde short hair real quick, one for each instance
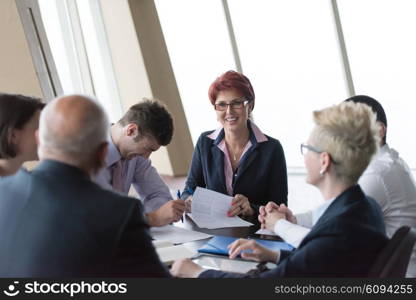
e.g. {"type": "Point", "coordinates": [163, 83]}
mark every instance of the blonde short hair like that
{"type": "Point", "coordinates": [350, 134]}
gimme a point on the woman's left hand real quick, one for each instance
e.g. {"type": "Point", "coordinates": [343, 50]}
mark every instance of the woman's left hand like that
{"type": "Point", "coordinates": [240, 206]}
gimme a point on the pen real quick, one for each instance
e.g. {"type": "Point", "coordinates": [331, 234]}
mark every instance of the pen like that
{"type": "Point", "coordinates": [179, 197]}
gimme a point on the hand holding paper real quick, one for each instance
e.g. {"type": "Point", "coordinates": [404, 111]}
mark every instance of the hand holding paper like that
{"type": "Point", "coordinates": [209, 210]}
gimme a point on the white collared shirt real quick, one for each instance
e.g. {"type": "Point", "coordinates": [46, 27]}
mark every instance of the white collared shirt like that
{"type": "Point", "coordinates": [294, 233]}
{"type": "Point", "coordinates": [389, 181]}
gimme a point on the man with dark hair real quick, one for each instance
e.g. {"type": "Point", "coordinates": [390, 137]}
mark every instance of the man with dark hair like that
{"type": "Point", "coordinates": [389, 181]}
{"type": "Point", "coordinates": [142, 130]}
{"type": "Point", "coordinates": [55, 222]}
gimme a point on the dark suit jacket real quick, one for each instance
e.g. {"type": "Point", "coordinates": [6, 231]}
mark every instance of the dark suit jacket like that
{"type": "Point", "coordinates": [261, 175]}
{"type": "Point", "coordinates": [55, 222]}
{"type": "Point", "coordinates": [343, 243]}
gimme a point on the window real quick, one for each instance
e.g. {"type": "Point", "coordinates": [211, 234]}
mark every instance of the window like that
{"type": "Point", "coordinates": [199, 49]}
{"type": "Point", "coordinates": [381, 45]}
{"type": "Point", "coordinates": [294, 65]}
{"type": "Point", "coordinates": [77, 39]}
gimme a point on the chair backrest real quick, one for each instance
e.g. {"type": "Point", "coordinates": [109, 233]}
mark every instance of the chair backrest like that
{"type": "Point", "coordinates": [394, 258]}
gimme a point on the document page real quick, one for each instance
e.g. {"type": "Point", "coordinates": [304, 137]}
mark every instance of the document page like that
{"type": "Point", "coordinates": [176, 235]}
{"type": "Point", "coordinates": [209, 210]}
{"type": "Point", "coordinates": [168, 252]}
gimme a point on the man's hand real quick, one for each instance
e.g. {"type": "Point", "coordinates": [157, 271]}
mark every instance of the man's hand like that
{"type": "Point", "coordinates": [185, 268]}
{"type": "Point", "coordinates": [169, 212]}
{"type": "Point", "coordinates": [258, 252]}
{"type": "Point", "coordinates": [240, 206]}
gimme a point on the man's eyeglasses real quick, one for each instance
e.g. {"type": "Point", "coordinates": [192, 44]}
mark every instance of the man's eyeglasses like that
{"type": "Point", "coordinates": [304, 148]}
{"type": "Point", "coordinates": [235, 104]}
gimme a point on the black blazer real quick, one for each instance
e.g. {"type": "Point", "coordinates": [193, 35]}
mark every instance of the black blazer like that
{"type": "Point", "coordinates": [343, 243]}
{"type": "Point", "coordinates": [261, 175]}
{"type": "Point", "coordinates": [55, 222]}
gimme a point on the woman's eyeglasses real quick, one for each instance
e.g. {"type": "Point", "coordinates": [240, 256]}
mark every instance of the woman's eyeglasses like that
{"type": "Point", "coordinates": [235, 104]}
{"type": "Point", "coordinates": [304, 148]}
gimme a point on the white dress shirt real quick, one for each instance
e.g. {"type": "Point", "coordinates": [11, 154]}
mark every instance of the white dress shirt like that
{"type": "Point", "coordinates": [138, 172]}
{"type": "Point", "coordinates": [294, 233]}
{"type": "Point", "coordinates": [389, 181]}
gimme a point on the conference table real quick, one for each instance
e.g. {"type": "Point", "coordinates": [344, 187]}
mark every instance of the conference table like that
{"type": "Point", "coordinates": [239, 232]}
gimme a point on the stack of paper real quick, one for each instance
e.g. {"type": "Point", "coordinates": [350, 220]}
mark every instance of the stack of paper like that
{"type": "Point", "coordinates": [209, 210]}
{"type": "Point", "coordinates": [168, 252]}
{"type": "Point", "coordinates": [176, 235]}
{"type": "Point", "coordinates": [265, 232]}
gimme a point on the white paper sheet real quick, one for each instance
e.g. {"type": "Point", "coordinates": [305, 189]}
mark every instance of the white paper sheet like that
{"type": "Point", "coordinates": [177, 235]}
{"type": "Point", "coordinates": [209, 210]}
{"type": "Point", "coordinates": [265, 231]}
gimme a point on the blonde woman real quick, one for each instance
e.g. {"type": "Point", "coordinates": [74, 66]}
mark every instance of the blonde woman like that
{"type": "Point", "coordinates": [348, 229]}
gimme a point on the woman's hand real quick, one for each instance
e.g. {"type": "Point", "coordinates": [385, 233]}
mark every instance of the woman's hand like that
{"type": "Point", "coordinates": [258, 252]}
{"type": "Point", "coordinates": [271, 213]}
{"type": "Point", "coordinates": [263, 211]}
{"type": "Point", "coordinates": [185, 268]}
{"type": "Point", "coordinates": [288, 213]}
{"type": "Point", "coordinates": [240, 206]}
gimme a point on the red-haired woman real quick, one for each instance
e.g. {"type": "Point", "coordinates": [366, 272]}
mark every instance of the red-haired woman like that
{"type": "Point", "coordinates": [238, 159]}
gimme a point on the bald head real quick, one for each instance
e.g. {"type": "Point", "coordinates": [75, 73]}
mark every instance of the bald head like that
{"type": "Point", "coordinates": [73, 127]}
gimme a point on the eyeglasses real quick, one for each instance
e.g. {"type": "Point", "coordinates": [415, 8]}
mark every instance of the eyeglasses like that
{"type": "Point", "coordinates": [235, 104]}
{"type": "Point", "coordinates": [304, 148]}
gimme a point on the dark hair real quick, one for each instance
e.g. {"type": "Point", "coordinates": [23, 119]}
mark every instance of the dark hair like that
{"type": "Point", "coordinates": [231, 80]}
{"type": "Point", "coordinates": [375, 106]}
{"type": "Point", "coordinates": [152, 118]}
{"type": "Point", "coordinates": [15, 112]}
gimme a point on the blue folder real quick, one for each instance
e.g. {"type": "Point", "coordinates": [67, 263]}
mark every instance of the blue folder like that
{"type": "Point", "coordinates": [218, 245]}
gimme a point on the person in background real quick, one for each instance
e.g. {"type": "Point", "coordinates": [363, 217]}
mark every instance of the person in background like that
{"type": "Point", "coordinates": [141, 131]}
{"type": "Point", "coordinates": [237, 159]}
{"type": "Point", "coordinates": [19, 119]}
{"type": "Point", "coordinates": [389, 180]}
{"type": "Point", "coordinates": [347, 232]}
{"type": "Point", "coordinates": [56, 222]}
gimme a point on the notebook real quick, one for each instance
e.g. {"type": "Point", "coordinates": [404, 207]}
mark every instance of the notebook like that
{"type": "Point", "coordinates": [218, 245]}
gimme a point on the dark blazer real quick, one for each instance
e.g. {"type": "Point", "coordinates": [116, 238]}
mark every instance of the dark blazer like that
{"type": "Point", "coordinates": [55, 222]}
{"type": "Point", "coordinates": [261, 175]}
{"type": "Point", "coordinates": [343, 243]}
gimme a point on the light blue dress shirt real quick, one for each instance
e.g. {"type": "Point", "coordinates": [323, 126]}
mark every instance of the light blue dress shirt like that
{"type": "Point", "coordinates": [138, 172]}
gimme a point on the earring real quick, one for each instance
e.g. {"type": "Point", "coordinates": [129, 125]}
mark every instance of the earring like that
{"type": "Point", "coordinates": [321, 172]}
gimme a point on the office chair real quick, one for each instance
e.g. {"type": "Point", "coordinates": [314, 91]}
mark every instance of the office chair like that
{"type": "Point", "coordinates": [394, 258]}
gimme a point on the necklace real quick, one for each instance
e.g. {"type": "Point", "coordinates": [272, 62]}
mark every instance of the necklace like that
{"type": "Point", "coordinates": [236, 155]}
